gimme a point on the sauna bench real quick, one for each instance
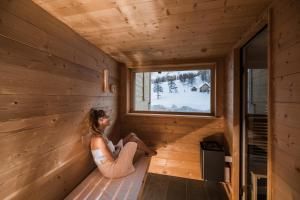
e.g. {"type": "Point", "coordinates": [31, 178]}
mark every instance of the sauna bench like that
{"type": "Point", "coordinates": [95, 186]}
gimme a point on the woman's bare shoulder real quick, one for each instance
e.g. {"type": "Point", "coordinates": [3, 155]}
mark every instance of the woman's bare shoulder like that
{"type": "Point", "coordinates": [97, 141]}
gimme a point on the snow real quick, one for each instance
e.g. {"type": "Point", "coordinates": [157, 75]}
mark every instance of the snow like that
{"type": "Point", "coordinates": [184, 100]}
{"type": "Point", "coordinates": [154, 75]}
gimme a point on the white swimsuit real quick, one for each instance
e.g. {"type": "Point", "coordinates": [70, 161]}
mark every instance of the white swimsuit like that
{"type": "Point", "coordinates": [122, 165]}
{"type": "Point", "coordinates": [99, 157]}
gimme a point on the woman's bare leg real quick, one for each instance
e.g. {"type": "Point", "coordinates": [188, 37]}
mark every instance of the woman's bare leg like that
{"type": "Point", "coordinates": [141, 145]}
{"type": "Point", "coordinates": [127, 138]}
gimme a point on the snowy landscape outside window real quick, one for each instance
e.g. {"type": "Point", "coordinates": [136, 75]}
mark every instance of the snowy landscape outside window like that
{"type": "Point", "coordinates": [181, 91]}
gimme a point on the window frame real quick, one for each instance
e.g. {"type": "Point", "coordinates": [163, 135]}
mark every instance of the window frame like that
{"type": "Point", "coordinates": [210, 66]}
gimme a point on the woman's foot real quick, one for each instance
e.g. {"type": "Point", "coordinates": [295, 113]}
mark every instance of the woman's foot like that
{"type": "Point", "coordinates": [151, 153]}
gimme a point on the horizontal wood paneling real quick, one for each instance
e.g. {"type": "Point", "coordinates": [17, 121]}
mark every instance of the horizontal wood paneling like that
{"type": "Point", "coordinates": [53, 37]}
{"type": "Point", "coordinates": [57, 182]}
{"type": "Point", "coordinates": [50, 78]}
{"type": "Point", "coordinates": [24, 106]}
{"type": "Point", "coordinates": [29, 171]}
{"type": "Point", "coordinates": [177, 140]}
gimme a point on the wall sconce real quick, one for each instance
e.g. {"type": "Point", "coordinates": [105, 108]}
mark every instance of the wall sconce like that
{"type": "Point", "coordinates": [105, 81]}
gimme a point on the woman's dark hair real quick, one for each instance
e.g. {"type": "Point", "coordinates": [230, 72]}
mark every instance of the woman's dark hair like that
{"type": "Point", "coordinates": [94, 116]}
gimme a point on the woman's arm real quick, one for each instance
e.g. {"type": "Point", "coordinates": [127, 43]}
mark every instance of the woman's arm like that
{"type": "Point", "coordinates": [100, 143]}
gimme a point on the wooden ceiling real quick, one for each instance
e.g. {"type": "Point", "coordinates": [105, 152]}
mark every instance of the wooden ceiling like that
{"type": "Point", "coordinates": [146, 32]}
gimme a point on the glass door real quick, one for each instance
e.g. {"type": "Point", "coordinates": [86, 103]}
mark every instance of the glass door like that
{"type": "Point", "coordinates": [254, 123]}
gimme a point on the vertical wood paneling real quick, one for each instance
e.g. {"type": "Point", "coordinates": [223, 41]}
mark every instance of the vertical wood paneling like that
{"type": "Point", "coordinates": [50, 78]}
{"type": "Point", "coordinates": [284, 99]}
{"type": "Point", "coordinates": [232, 114]}
{"type": "Point", "coordinates": [285, 37]}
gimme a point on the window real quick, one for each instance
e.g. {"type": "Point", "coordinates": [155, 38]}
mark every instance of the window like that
{"type": "Point", "coordinates": [188, 91]}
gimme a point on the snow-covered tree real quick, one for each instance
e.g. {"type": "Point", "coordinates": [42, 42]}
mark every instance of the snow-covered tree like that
{"type": "Point", "coordinates": [172, 85]}
{"type": "Point", "coordinates": [157, 87]}
{"type": "Point", "coordinates": [183, 77]}
{"type": "Point", "coordinates": [205, 75]}
{"type": "Point", "coordinates": [191, 79]}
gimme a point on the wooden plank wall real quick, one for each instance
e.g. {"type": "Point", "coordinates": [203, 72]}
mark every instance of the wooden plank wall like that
{"type": "Point", "coordinates": [285, 51]}
{"type": "Point", "coordinates": [284, 24]}
{"type": "Point", "coordinates": [177, 138]}
{"type": "Point", "coordinates": [50, 78]}
{"type": "Point", "coordinates": [231, 119]}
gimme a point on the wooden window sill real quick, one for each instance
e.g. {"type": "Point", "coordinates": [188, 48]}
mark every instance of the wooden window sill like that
{"type": "Point", "coordinates": [136, 114]}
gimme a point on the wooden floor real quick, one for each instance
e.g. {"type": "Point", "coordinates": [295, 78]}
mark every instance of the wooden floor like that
{"type": "Point", "coordinates": [162, 187]}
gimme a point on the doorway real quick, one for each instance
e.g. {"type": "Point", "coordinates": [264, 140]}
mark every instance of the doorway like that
{"type": "Point", "coordinates": [254, 117]}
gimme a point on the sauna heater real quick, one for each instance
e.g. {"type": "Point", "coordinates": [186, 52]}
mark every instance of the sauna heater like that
{"type": "Point", "coordinates": [212, 161]}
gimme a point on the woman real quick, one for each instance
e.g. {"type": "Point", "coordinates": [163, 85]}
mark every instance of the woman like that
{"type": "Point", "coordinates": [114, 161]}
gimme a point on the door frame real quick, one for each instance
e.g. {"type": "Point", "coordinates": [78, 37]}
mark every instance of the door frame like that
{"type": "Point", "coordinates": [243, 108]}
{"type": "Point", "coordinates": [264, 20]}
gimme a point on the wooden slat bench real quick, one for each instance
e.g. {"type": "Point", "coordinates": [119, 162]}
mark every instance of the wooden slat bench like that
{"type": "Point", "coordinates": [95, 186]}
